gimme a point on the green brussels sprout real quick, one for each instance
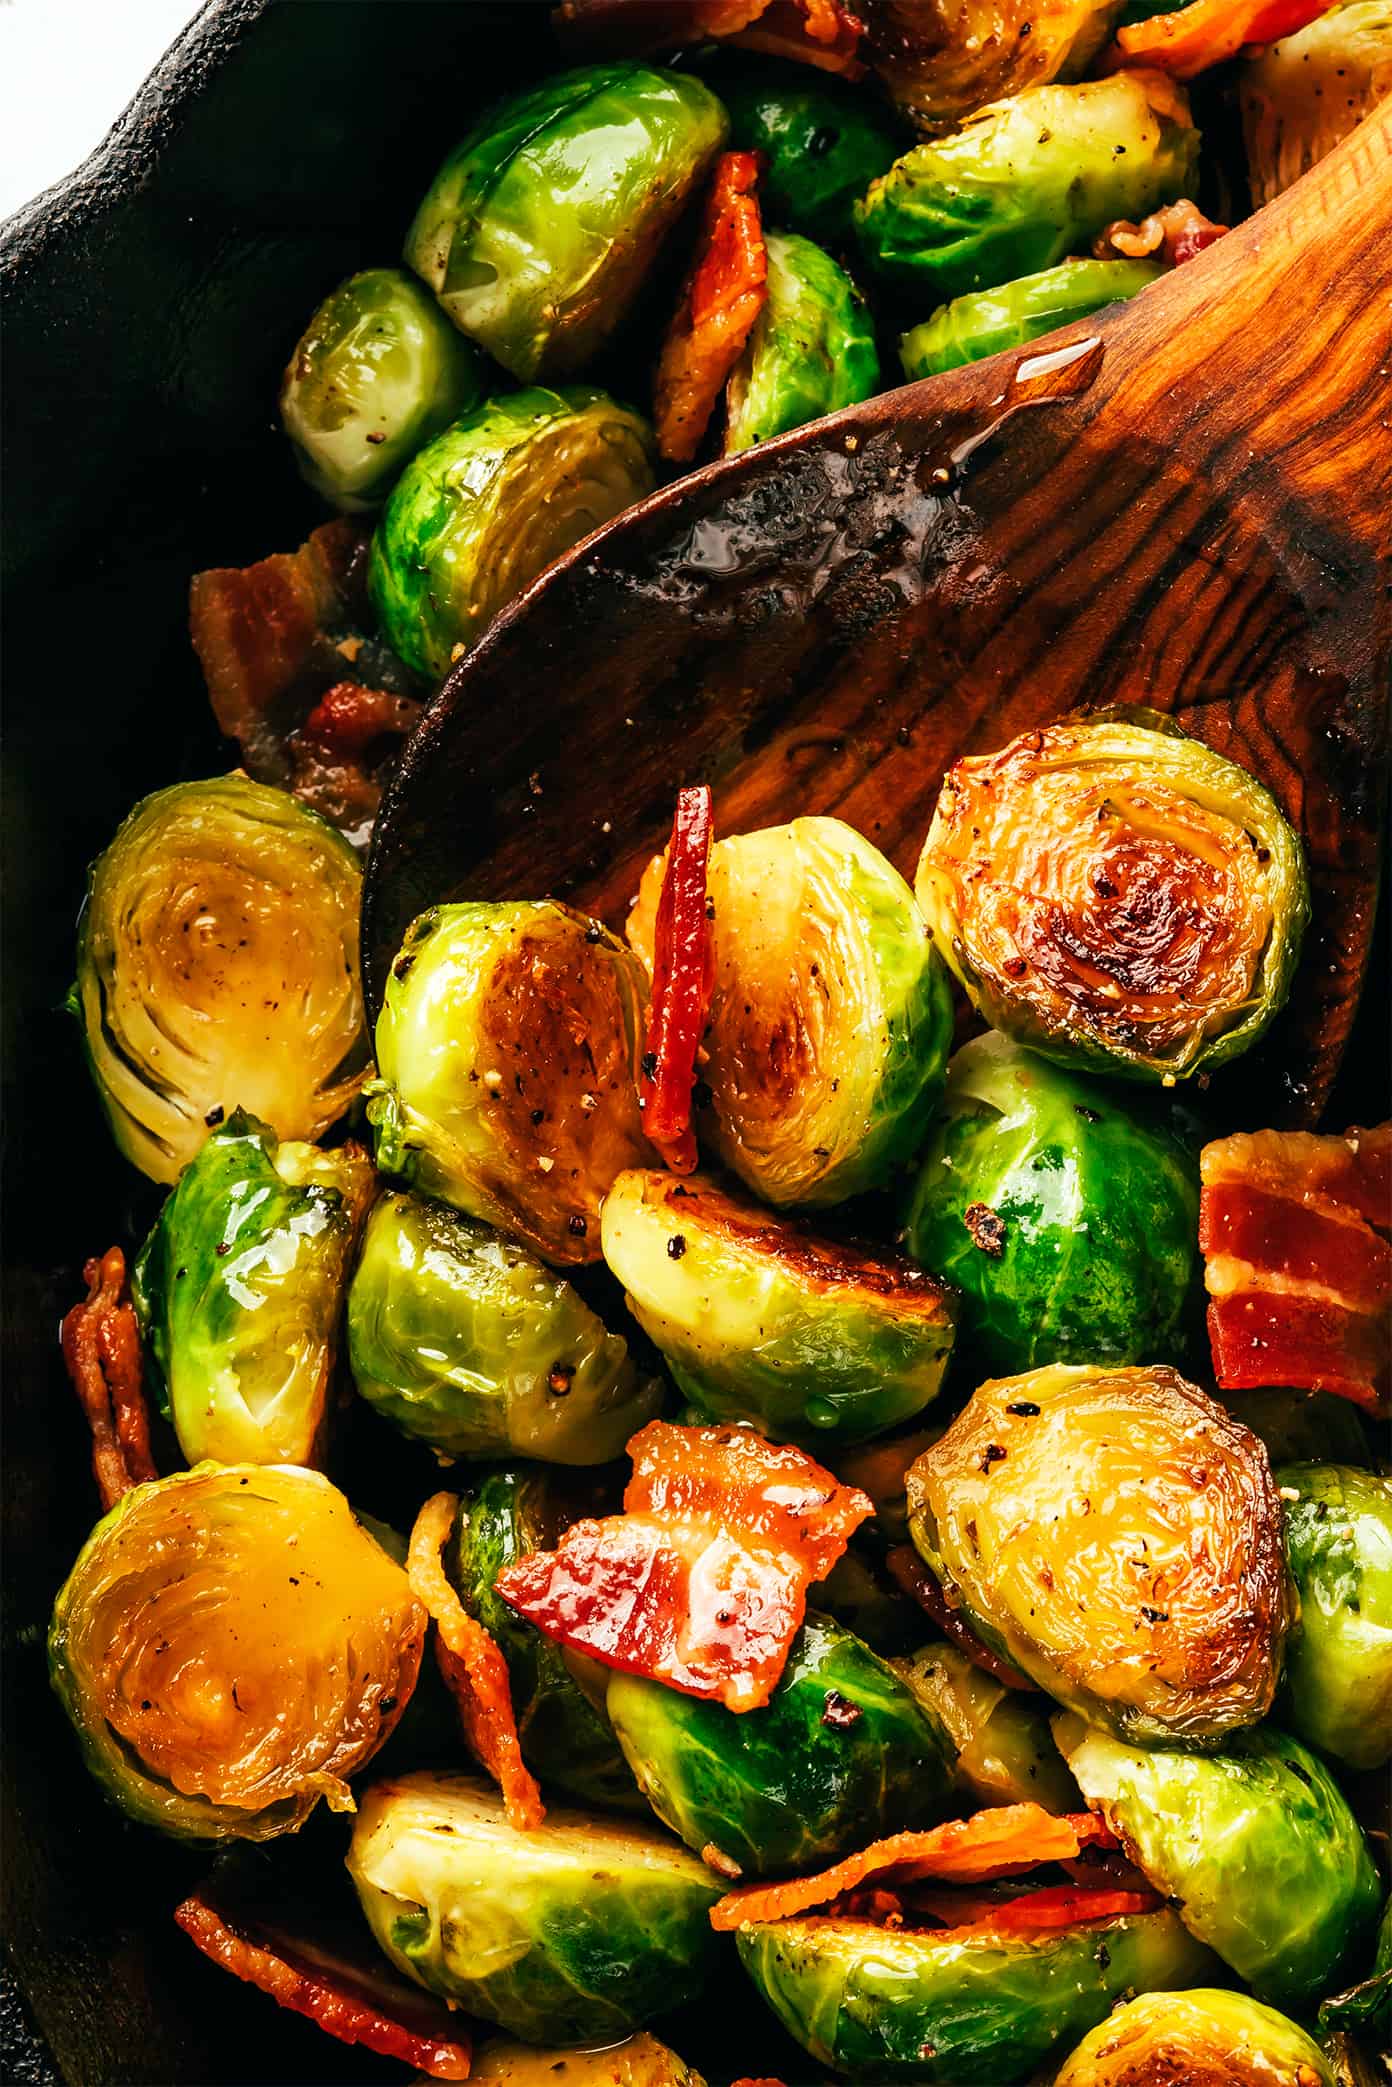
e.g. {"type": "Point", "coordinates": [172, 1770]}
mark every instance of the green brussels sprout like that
{"type": "Point", "coordinates": [640, 2061]}
{"type": "Point", "coordinates": [883, 2004]}
{"type": "Point", "coordinates": [984, 322]}
{"type": "Point", "coordinates": [812, 349]}
{"type": "Point", "coordinates": [1338, 1684]}
{"type": "Point", "coordinates": [539, 229]}
{"type": "Point", "coordinates": [822, 143]}
{"type": "Point", "coordinates": [578, 1930]}
{"type": "Point", "coordinates": [809, 1339]}
{"type": "Point", "coordinates": [1302, 1427]}
{"type": "Point", "coordinates": [941, 59]}
{"type": "Point", "coordinates": [1118, 1537]}
{"type": "Point", "coordinates": [1207, 2038]}
{"type": "Point", "coordinates": [1026, 181]}
{"type": "Point", "coordinates": [467, 1341]}
{"type": "Point", "coordinates": [1300, 96]}
{"type": "Point", "coordinates": [378, 372]}
{"type": "Point", "coordinates": [1256, 1845]}
{"type": "Point", "coordinates": [844, 1752]}
{"type": "Point", "coordinates": [507, 1053]}
{"type": "Point", "coordinates": [1068, 1221]}
{"type": "Point", "coordinates": [483, 508]}
{"type": "Point", "coordinates": [231, 1646]}
{"type": "Point", "coordinates": [217, 968]}
{"type": "Point", "coordinates": [1005, 1749]}
{"type": "Point", "coordinates": [1368, 2004]}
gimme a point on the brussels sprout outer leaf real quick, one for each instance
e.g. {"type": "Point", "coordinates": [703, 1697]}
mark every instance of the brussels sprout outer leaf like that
{"type": "Point", "coordinates": [811, 351]}
{"type": "Point", "coordinates": [1005, 1750]}
{"type": "Point", "coordinates": [1369, 2003]}
{"type": "Point", "coordinates": [722, 297]}
{"type": "Point", "coordinates": [681, 984]}
{"type": "Point", "coordinates": [1338, 1679]}
{"type": "Point", "coordinates": [1204, 2038]}
{"type": "Point", "coordinates": [822, 144]}
{"type": "Point", "coordinates": [1193, 38]}
{"type": "Point", "coordinates": [985, 322]}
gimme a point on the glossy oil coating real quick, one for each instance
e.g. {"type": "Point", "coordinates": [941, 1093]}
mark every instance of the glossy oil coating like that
{"type": "Point", "coordinates": [940, 59]}
{"type": "Point", "coordinates": [1207, 2038]}
{"type": "Point", "coordinates": [1338, 1683]}
{"type": "Point", "coordinates": [811, 352]}
{"type": "Point", "coordinates": [985, 322]}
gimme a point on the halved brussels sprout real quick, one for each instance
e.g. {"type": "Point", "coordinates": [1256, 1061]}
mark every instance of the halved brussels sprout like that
{"type": "Point", "coordinates": [507, 1049]}
{"type": "Point", "coordinates": [1309, 1427]}
{"type": "Point", "coordinates": [1117, 895]}
{"type": "Point", "coordinates": [1069, 1222]}
{"type": "Point", "coordinates": [1118, 1536]}
{"type": "Point", "coordinates": [239, 1289]}
{"type": "Point", "coordinates": [230, 1646]}
{"type": "Point", "coordinates": [217, 968]}
{"type": "Point", "coordinates": [822, 143]}
{"type": "Point", "coordinates": [1005, 1749]}
{"type": "Point", "coordinates": [1300, 96]}
{"type": "Point", "coordinates": [377, 373]}
{"type": "Point", "coordinates": [539, 229]}
{"type": "Point", "coordinates": [483, 508]}
{"type": "Point", "coordinates": [1027, 181]}
{"type": "Point", "coordinates": [844, 1752]}
{"type": "Point", "coordinates": [578, 1930]}
{"type": "Point", "coordinates": [941, 59]}
{"type": "Point", "coordinates": [640, 2061]}
{"type": "Point", "coordinates": [810, 1339]}
{"type": "Point", "coordinates": [1206, 2038]}
{"type": "Point", "coordinates": [1338, 1685]}
{"type": "Point", "coordinates": [1256, 1845]}
{"type": "Point", "coordinates": [469, 1342]}
{"type": "Point", "coordinates": [984, 322]}
{"type": "Point", "coordinates": [811, 352]}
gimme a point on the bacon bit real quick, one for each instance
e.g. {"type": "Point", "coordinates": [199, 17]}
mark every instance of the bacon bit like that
{"type": "Point", "coordinates": [823, 33]}
{"type": "Point", "coordinates": [716, 1859]}
{"type": "Point", "coordinates": [745, 2081]}
{"type": "Point", "coordinates": [724, 294]}
{"type": "Point", "coordinates": [348, 718]}
{"type": "Point", "coordinates": [702, 1581]}
{"type": "Point", "coordinates": [1174, 234]}
{"type": "Point", "coordinates": [351, 1994]}
{"type": "Point", "coordinates": [908, 1572]}
{"type": "Point", "coordinates": [683, 975]}
{"type": "Point", "coordinates": [101, 1349]}
{"type": "Point", "coordinates": [473, 1667]}
{"type": "Point", "coordinates": [1208, 32]}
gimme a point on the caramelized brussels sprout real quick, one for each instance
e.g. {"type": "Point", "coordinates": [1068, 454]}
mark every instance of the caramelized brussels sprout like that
{"type": "Point", "coordinates": [1117, 895]}
{"type": "Point", "coordinates": [810, 1339]}
{"type": "Point", "coordinates": [1206, 2038]}
{"type": "Point", "coordinates": [1005, 1749]}
{"type": "Point", "coordinates": [984, 322]}
{"type": "Point", "coordinates": [1027, 181]}
{"type": "Point", "coordinates": [811, 352]}
{"type": "Point", "coordinates": [1300, 96]}
{"type": "Point", "coordinates": [1338, 1685]}
{"type": "Point", "coordinates": [538, 230]}
{"type": "Point", "coordinates": [378, 372]}
{"type": "Point", "coordinates": [1069, 1222]}
{"type": "Point", "coordinates": [239, 1289]}
{"type": "Point", "coordinates": [217, 968]}
{"type": "Point", "coordinates": [639, 2061]}
{"type": "Point", "coordinates": [823, 143]}
{"type": "Point", "coordinates": [579, 1930]}
{"type": "Point", "coordinates": [467, 1341]}
{"type": "Point", "coordinates": [231, 1646]}
{"type": "Point", "coordinates": [941, 59]}
{"type": "Point", "coordinates": [483, 508]}
{"type": "Point", "coordinates": [1118, 1536]}
{"type": "Point", "coordinates": [1256, 1845]}
{"type": "Point", "coordinates": [507, 1054]}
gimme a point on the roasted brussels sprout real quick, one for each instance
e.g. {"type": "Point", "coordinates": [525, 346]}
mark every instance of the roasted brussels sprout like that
{"type": "Point", "coordinates": [538, 230]}
{"type": "Point", "coordinates": [377, 373]}
{"type": "Point", "coordinates": [1027, 181]}
{"type": "Point", "coordinates": [822, 143]}
{"type": "Point", "coordinates": [812, 349]}
{"type": "Point", "coordinates": [1118, 1536]}
{"type": "Point", "coordinates": [1117, 895]}
{"type": "Point", "coordinates": [1005, 1749]}
{"type": "Point", "coordinates": [230, 1646]}
{"type": "Point", "coordinates": [239, 1290]}
{"type": "Point", "coordinates": [1307, 1427]}
{"type": "Point", "coordinates": [1069, 1222]}
{"type": "Point", "coordinates": [1256, 1845]}
{"type": "Point", "coordinates": [579, 1930]}
{"type": "Point", "coordinates": [810, 1339]}
{"type": "Point", "coordinates": [941, 59]}
{"type": "Point", "coordinates": [1338, 1685]}
{"type": "Point", "coordinates": [469, 1342]}
{"type": "Point", "coordinates": [507, 1053]}
{"type": "Point", "coordinates": [984, 322]}
{"type": "Point", "coordinates": [483, 508]}
{"type": "Point", "coordinates": [1300, 96]}
{"type": "Point", "coordinates": [640, 2061]}
{"type": "Point", "coordinates": [1367, 2004]}
{"type": "Point", "coordinates": [1207, 2038]}
{"type": "Point", "coordinates": [217, 968]}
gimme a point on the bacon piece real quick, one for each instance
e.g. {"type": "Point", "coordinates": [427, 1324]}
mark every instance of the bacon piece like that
{"type": "Point", "coordinates": [723, 296]}
{"type": "Point", "coordinates": [101, 1349]}
{"type": "Point", "coordinates": [1208, 32]}
{"type": "Point", "coordinates": [909, 1573]}
{"type": "Point", "coordinates": [683, 975]}
{"type": "Point", "coordinates": [823, 33]}
{"type": "Point", "coordinates": [702, 1581]}
{"type": "Point", "coordinates": [1173, 234]}
{"type": "Point", "coordinates": [474, 1669]}
{"type": "Point", "coordinates": [347, 1990]}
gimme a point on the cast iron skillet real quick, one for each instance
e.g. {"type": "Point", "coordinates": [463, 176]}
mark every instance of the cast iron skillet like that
{"type": "Point", "coordinates": [150, 303]}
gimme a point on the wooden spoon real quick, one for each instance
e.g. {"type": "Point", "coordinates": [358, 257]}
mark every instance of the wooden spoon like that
{"type": "Point", "coordinates": [1184, 503]}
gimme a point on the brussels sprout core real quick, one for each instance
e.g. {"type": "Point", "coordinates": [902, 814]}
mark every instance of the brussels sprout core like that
{"type": "Point", "coordinates": [812, 349]}
{"type": "Point", "coordinates": [1207, 2038]}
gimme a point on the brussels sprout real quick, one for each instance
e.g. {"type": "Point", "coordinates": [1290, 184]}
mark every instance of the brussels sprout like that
{"type": "Point", "coordinates": [1005, 1749]}
{"type": "Point", "coordinates": [822, 143]}
{"type": "Point", "coordinates": [811, 1340]}
{"type": "Point", "coordinates": [1339, 1657]}
{"type": "Point", "coordinates": [469, 1342]}
{"type": "Point", "coordinates": [378, 372]}
{"type": "Point", "coordinates": [1308, 1427]}
{"type": "Point", "coordinates": [883, 2004]}
{"type": "Point", "coordinates": [1069, 1222]}
{"type": "Point", "coordinates": [941, 59]}
{"type": "Point", "coordinates": [812, 349]}
{"type": "Point", "coordinates": [1368, 2004]}
{"type": "Point", "coordinates": [1300, 96]}
{"type": "Point", "coordinates": [217, 968]}
{"type": "Point", "coordinates": [578, 1930]}
{"type": "Point", "coordinates": [1027, 181]}
{"type": "Point", "coordinates": [1118, 1536]}
{"type": "Point", "coordinates": [230, 1646]}
{"type": "Point", "coordinates": [1256, 1845]}
{"type": "Point", "coordinates": [539, 229]}
{"type": "Point", "coordinates": [640, 2061]}
{"type": "Point", "coordinates": [1117, 895]}
{"type": "Point", "coordinates": [483, 508]}
{"type": "Point", "coordinates": [1207, 2038]}
{"type": "Point", "coordinates": [843, 1753]}
{"type": "Point", "coordinates": [507, 1049]}
{"type": "Point", "coordinates": [984, 322]}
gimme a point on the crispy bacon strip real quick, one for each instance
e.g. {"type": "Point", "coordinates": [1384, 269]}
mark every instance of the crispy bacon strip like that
{"type": "Point", "coordinates": [823, 33]}
{"type": "Point", "coordinates": [683, 975]}
{"type": "Point", "coordinates": [101, 1348]}
{"type": "Point", "coordinates": [1174, 235]}
{"type": "Point", "coordinates": [1208, 32]}
{"type": "Point", "coordinates": [723, 296]}
{"type": "Point", "coordinates": [908, 1572]}
{"type": "Point", "coordinates": [702, 1581]}
{"type": "Point", "coordinates": [473, 1667]}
